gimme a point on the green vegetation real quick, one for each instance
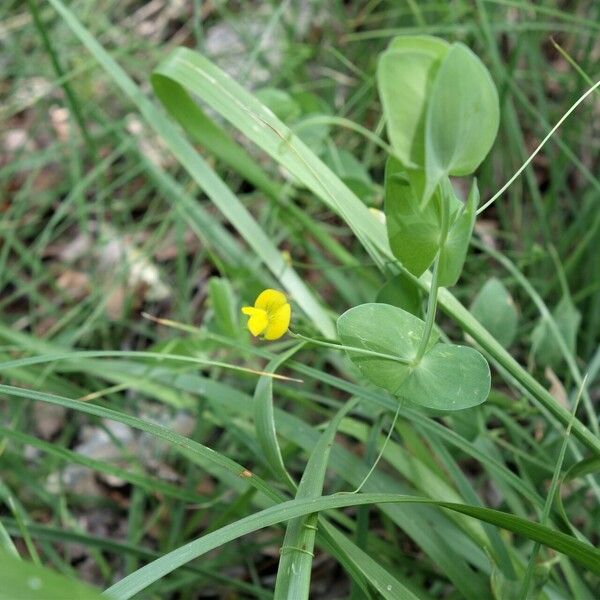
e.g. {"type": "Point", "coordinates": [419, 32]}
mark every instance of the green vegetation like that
{"type": "Point", "coordinates": [417, 433]}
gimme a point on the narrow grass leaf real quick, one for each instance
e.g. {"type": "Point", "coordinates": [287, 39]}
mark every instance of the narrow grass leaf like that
{"type": "Point", "coordinates": [386, 584]}
{"type": "Point", "coordinates": [293, 574]}
{"type": "Point", "coordinates": [147, 483]}
{"type": "Point", "coordinates": [176, 440]}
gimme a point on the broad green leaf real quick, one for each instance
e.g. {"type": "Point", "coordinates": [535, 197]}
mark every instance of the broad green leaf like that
{"type": "Point", "coordinates": [403, 292]}
{"type": "Point", "coordinates": [545, 347]}
{"type": "Point", "coordinates": [413, 231]}
{"type": "Point", "coordinates": [405, 74]}
{"type": "Point", "coordinates": [414, 228]}
{"type": "Point", "coordinates": [448, 377]}
{"type": "Point", "coordinates": [462, 117]}
{"type": "Point", "coordinates": [22, 580]}
{"type": "Point", "coordinates": [494, 308]}
{"type": "Point", "coordinates": [457, 242]}
{"type": "Point", "coordinates": [385, 329]}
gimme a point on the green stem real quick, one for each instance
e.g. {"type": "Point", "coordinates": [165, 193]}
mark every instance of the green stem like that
{"type": "Point", "coordinates": [431, 310]}
{"type": "Point", "coordinates": [433, 290]}
{"type": "Point", "coordinates": [398, 359]}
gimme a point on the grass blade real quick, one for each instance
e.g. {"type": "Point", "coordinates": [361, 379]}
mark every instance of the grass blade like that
{"type": "Point", "coordinates": [293, 574]}
{"type": "Point", "coordinates": [176, 440]}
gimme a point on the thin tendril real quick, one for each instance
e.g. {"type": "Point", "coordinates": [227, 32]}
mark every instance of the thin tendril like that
{"type": "Point", "coordinates": [387, 439]}
{"type": "Point", "coordinates": [536, 151]}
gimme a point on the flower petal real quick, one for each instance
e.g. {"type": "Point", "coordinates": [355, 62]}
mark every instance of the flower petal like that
{"type": "Point", "coordinates": [270, 300]}
{"type": "Point", "coordinates": [279, 321]}
{"type": "Point", "coordinates": [258, 321]}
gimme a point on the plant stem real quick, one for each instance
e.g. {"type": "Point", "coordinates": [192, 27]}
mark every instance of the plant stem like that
{"type": "Point", "coordinates": [431, 309]}
{"type": "Point", "coordinates": [399, 359]}
{"type": "Point", "coordinates": [433, 290]}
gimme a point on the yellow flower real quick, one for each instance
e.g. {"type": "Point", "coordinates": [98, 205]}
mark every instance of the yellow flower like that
{"type": "Point", "coordinates": [270, 315]}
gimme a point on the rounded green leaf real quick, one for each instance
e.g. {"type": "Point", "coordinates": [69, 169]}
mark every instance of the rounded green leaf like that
{"type": "Point", "coordinates": [387, 330]}
{"type": "Point", "coordinates": [494, 308]}
{"type": "Point", "coordinates": [448, 377]}
{"type": "Point", "coordinates": [405, 74]}
{"type": "Point", "coordinates": [545, 348]}
{"type": "Point", "coordinates": [457, 242]}
{"type": "Point", "coordinates": [413, 232]}
{"type": "Point", "coordinates": [462, 116]}
{"type": "Point", "coordinates": [403, 292]}
{"type": "Point", "coordinates": [414, 229]}
{"type": "Point", "coordinates": [428, 44]}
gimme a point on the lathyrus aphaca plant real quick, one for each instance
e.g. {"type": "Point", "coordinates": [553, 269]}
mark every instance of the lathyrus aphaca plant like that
{"type": "Point", "coordinates": [441, 110]}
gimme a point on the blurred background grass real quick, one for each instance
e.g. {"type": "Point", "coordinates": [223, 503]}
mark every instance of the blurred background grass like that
{"type": "Point", "coordinates": [91, 238]}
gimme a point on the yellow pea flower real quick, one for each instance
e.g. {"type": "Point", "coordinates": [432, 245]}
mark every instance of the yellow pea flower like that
{"type": "Point", "coordinates": [270, 315]}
